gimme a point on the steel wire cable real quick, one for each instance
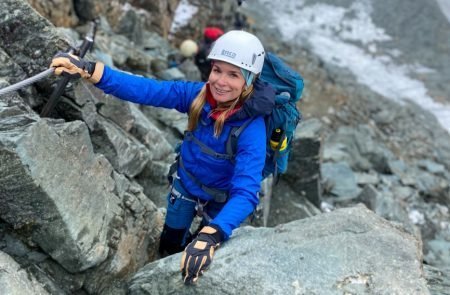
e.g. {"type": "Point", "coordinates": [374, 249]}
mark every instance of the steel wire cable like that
{"type": "Point", "coordinates": [27, 82]}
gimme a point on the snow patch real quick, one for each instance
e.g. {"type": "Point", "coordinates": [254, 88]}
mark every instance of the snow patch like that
{"type": "Point", "coordinates": [183, 14]}
{"type": "Point", "coordinates": [348, 38]}
{"type": "Point", "coordinates": [445, 7]}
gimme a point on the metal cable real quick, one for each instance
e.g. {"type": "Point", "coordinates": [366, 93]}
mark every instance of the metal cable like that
{"type": "Point", "coordinates": [27, 82]}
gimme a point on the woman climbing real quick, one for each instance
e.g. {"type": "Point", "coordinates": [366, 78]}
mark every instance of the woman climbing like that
{"type": "Point", "coordinates": [206, 181]}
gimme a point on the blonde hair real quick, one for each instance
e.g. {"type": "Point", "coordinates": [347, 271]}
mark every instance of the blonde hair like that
{"type": "Point", "coordinates": [225, 108]}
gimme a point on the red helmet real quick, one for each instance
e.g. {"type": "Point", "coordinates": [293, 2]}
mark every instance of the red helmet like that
{"type": "Point", "coordinates": [212, 33]}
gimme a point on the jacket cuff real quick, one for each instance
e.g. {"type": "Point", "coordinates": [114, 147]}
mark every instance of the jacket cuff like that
{"type": "Point", "coordinates": [98, 73]}
{"type": "Point", "coordinates": [214, 230]}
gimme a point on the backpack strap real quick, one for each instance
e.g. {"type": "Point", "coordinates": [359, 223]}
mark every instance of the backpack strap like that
{"type": "Point", "coordinates": [189, 136]}
{"type": "Point", "coordinates": [220, 196]}
{"type": "Point", "coordinates": [231, 146]}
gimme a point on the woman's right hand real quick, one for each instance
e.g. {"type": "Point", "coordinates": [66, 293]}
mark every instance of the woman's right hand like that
{"type": "Point", "coordinates": [70, 65]}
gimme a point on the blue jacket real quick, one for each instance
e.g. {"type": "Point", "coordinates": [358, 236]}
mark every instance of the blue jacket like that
{"type": "Point", "coordinates": [241, 179]}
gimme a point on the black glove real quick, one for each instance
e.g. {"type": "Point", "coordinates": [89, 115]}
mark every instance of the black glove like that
{"type": "Point", "coordinates": [199, 253]}
{"type": "Point", "coordinates": [67, 64]}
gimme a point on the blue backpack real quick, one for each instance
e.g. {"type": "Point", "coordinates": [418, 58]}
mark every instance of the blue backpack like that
{"type": "Point", "coordinates": [282, 122]}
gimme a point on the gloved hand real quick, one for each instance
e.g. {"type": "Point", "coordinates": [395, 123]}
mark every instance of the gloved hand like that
{"type": "Point", "coordinates": [67, 64]}
{"type": "Point", "coordinates": [199, 253]}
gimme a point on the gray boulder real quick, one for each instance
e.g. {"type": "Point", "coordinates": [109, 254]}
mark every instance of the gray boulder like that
{"type": "Point", "coordinates": [340, 181]}
{"type": "Point", "coordinates": [63, 191]}
{"type": "Point", "coordinates": [303, 174]}
{"type": "Point", "coordinates": [359, 147]}
{"type": "Point", "coordinates": [347, 251]}
{"type": "Point", "coordinates": [60, 12]}
{"type": "Point", "coordinates": [15, 280]}
{"type": "Point", "coordinates": [19, 23]}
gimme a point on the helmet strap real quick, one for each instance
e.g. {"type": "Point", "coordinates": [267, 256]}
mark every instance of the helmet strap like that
{"type": "Point", "coordinates": [248, 76]}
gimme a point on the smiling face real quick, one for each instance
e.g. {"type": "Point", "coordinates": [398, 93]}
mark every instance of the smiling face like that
{"type": "Point", "coordinates": [226, 81]}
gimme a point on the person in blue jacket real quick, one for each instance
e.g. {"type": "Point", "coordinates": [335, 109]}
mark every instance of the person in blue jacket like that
{"type": "Point", "coordinates": [206, 181]}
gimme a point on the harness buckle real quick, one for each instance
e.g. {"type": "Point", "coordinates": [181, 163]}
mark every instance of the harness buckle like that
{"type": "Point", "coordinates": [199, 207]}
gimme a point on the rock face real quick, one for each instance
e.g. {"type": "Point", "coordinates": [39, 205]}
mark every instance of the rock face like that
{"type": "Point", "coordinates": [348, 251]}
{"type": "Point", "coordinates": [65, 192]}
{"type": "Point", "coordinates": [60, 12]}
{"type": "Point", "coordinates": [79, 221]}
{"type": "Point", "coordinates": [15, 280]}
{"type": "Point", "coordinates": [126, 17]}
{"type": "Point", "coordinates": [68, 200]}
{"type": "Point", "coordinates": [79, 194]}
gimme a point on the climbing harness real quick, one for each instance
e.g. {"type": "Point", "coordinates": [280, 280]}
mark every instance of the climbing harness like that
{"type": "Point", "coordinates": [199, 206]}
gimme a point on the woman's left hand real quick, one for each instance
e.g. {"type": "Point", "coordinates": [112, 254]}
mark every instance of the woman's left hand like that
{"type": "Point", "coordinates": [198, 254]}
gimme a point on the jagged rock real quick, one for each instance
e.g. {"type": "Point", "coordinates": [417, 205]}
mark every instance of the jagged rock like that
{"type": "Point", "coordinates": [384, 203]}
{"type": "Point", "coordinates": [52, 173]}
{"type": "Point", "coordinates": [29, 53]}
{"type": "Point", "coordinates": [127, 18]}
{"type": "Point", "coordinates": [12, 73]}
{"type": "Point", "coordinates": [117, 46]}
{"type": "Point", "coordinates": [157, 47]}
{"type": "Point", "coordinates": [367, 178]}
{"type": "Point", "coordinates": [170, 121]}
{"type": "Point", "coordinates": [15, 280]}
{"type": "Point", "coordinates": [286, 205]}
{"type": "Point", "coordinates": [112, 140]}
{"type": "Point", "coordinates": [134, 237]}
{"type": "Point", "coordinates": [85, 100]}
{"type": "Point", "coordinates": [153, 177]}
{"type": "Point", "coordinates": [432, 167]}
{"type": "Point", "coordinates": [438, 253]}
{"type": "Point", "coordinates": [358, 147]}
{"type": "Point", "coordinates": [130, 22]}
{"type": "Point", "coordinates": [126, 154]}
{"type": "Point", "coordinates": [161, 13]}
{"type": "Point", "coordinates": [303, 174]}
{"type": "Point", "coordinates": [153, 138]}
{"type": "Point", "coordinates": [90, 9]}
{"type": "Point", "coordinates": [55, 189]}
{"type": "Point", "coordinates": [60, 12]}
{"type": "Point", "coordinates": [348, 251]}
{"type": "Point", "coordinates": [340, 181]}
{"type": "Point", "coordinates": [212, 13]}
{"type": "Point", "coordinates": [19, 23]}
{"type": "Point", "coordinates": [171, 74]}
{"type": "Point", "coordinates": [47, 272]}
{"type": "Point", "coordinates": [138, 60]}
{"type": "Point", "coordinates": [190, 70]}
{"type": "Point", "coordinates": [14, 112]}
{"type": "Point", "coordinates": [116, 110]}
{"type": "Point", "coordinates": [119, 130]}
{"type": "Point", "coordinates": [438, 280]}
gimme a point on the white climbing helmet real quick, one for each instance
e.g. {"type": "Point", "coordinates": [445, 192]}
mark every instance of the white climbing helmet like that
{"type": "Point", "coordinates": [188, 48]}
{"type": "Point", "coordinates": [241, 49]}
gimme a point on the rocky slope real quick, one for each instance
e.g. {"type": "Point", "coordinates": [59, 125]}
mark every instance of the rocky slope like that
{"type": "Point", "coordinates": [81, 191]}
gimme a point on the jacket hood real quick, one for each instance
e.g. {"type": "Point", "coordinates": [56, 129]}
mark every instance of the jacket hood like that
{"type": "Point", "coordinates": [260, 103]}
